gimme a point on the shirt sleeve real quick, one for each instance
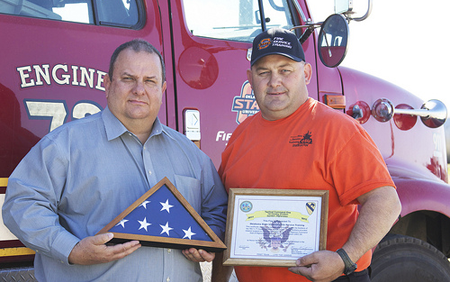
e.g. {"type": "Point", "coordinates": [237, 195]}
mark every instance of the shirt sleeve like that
{"type": "Point", "coordinates": [359, 168]}
{"type": "Point", "coordinates": [30, 209]}
{"type": "Point", "coordinates": [214, 200]}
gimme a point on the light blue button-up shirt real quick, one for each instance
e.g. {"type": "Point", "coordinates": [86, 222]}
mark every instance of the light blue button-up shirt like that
{"type": "Point", "coordinates": [83, 174]}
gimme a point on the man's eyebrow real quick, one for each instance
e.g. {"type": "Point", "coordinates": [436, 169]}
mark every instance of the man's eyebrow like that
{"type": "Point", "coordinates": [127, 74]}
{"type": "Point", "coordinates": [146, 77]}
{"type": "Point", "coordinates": [279, 66]}
{"type": "Point", "coordinates": [258, 68]}
{"type": "Point", "coordinates": [284, 65]}
{"type": "Point", "coordinates": [155, 77]}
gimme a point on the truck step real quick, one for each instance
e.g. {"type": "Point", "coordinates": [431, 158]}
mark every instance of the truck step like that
{"type": "Point", "coordinates": [22, 274]}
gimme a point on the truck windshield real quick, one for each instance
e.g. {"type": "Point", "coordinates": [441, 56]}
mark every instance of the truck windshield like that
{"type": "Point", "coordinates": [236, 20]}
{"type": "Point", "coordinates": [112, 12]}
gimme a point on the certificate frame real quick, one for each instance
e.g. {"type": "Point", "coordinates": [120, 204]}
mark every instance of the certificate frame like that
{"type": "Point", "coordinates": [244, 201]}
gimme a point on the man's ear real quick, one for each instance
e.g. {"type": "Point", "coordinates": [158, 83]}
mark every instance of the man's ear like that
{"type": "Point", "coordinates": [164, 87]}
{"type": "Point", "coordinates": [249, 76]}
{"type": "Point", "coordinates": [107, 83]}
{"type": "Point", "coordinates": [307, 69]}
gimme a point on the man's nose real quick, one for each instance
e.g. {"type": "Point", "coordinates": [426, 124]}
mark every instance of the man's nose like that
{"type": "Point", "coordinates": [275, 80]}
{"type": "Point", "coordinates": [139, 88]}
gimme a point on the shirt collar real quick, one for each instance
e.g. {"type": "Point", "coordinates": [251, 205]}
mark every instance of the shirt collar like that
{"type": "Point", "coordinates": [114, 128]}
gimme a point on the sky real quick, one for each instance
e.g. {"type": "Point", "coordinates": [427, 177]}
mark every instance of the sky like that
{"type": "Point", "coordinates": [403, 41]}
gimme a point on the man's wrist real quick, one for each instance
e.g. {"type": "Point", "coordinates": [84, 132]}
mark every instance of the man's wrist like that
{"type": "Point", "coordinates": [350, 266]}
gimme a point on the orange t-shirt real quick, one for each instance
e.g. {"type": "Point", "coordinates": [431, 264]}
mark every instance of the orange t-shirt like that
{"type": "Point", "coordinates": [314, 148]}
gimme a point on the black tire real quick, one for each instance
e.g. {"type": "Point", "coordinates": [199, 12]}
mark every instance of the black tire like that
{"type": "Point", "coordinates": [401, 258]}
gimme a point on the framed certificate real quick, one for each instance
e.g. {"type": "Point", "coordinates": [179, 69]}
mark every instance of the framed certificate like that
{"type": "Point", "coordinates": [274, 227]}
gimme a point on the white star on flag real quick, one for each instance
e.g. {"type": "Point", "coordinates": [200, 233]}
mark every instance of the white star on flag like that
{"type": "Point", "coordinates": [144, 204]}
{"type": "Point", "coordinates": [166, 206]}
{"type": "Point", "coordinates": [188, 233]}
{"type": "Point", "coordinates": [122, 222]}
{"type": "Point", "coordinates": [144, 224]}
{"type": "Point", "coordinates": [165, 228]}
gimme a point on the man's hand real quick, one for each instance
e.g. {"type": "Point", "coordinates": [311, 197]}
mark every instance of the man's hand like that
{"type": "Point", "coordinates": [93, 250]}
{"type": "Point", "coordinates": [321, 266]}
{"type": "Point", "coordinates": [198, 255]}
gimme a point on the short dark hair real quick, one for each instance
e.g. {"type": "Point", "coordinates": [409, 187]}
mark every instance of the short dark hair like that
{"type": "Point", "coordinates": [136, 45]}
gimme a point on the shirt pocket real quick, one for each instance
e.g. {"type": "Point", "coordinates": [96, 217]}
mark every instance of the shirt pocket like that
{"type": "Point", "coordinates": [191, 190]}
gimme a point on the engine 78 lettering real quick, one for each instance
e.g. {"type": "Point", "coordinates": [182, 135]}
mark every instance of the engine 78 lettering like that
{"type": "Point", "coordinates": [57, 112]}
{"type": "Point", "coordinates": [61, 74]}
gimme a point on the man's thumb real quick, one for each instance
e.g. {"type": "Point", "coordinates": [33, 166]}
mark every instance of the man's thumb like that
{"type": "Point", "coordinates": [103, 238]}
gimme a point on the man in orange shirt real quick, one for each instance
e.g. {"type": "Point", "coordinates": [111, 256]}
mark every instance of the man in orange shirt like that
{"type": "Point", "coordinates": [333, 153]}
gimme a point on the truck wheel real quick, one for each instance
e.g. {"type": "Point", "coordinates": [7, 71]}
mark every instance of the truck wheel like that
{"type": "Point", "coordinates": [401, 258]}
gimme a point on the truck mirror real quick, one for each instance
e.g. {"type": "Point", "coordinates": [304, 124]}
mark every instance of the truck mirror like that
{"type": "Point", "coordinates": [343, 6]}
{"type": "Point", "coordinates": [333, 38]}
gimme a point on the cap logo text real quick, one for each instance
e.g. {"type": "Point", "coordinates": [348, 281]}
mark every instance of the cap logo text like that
{"type": "Point", "coordinates": [281, 42]}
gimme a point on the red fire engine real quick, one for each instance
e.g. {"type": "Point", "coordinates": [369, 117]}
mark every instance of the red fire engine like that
{"type": "Point", "coordinates": [55, 54]}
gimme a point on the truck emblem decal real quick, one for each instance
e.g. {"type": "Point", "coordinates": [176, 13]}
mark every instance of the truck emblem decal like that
{"type": "Point", "coordinates": [245, 105]}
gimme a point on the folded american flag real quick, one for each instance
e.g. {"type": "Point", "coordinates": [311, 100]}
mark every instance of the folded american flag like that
{"type": "Point", "coordinates": [163, 218]}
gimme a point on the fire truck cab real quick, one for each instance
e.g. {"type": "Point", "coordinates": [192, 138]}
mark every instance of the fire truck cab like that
{"type": "Point", "coordinates": [55, 54]}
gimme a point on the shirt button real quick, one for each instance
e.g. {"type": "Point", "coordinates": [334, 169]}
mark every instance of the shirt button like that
{"type": "Point", "coordinates": [169, 251]}
{"type": "Point", "coordinates": [168, 279]}
{"type": "Point", "coordinates": [150, 172]}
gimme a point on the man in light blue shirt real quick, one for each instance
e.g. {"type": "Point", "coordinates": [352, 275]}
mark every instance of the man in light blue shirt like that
{"type": "Point", "coordinates": [83, 174]}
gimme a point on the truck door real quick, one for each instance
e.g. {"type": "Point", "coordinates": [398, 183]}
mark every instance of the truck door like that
{"type": "Point", "coordinates": [55, 55]}
{"type": "Point", "coordinates": [54, 61]}
{"type": "Point", "coordinates": [211, 42]}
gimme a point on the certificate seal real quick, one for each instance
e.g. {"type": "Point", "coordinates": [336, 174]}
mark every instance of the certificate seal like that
{"type": "Point", "coordinates": [246, 206]}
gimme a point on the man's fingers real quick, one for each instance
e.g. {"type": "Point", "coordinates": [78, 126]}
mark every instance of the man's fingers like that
{"type": "Point", "coordinates": [187, 253]}
{"type": "Point", "coordinates": [122, 250]}
{"type": "Point", "coordinates": [207, 256]}
{"type": "Point", "coordinates": [115, 251]}
{"type": "Point", "coordinates": [306, 260]}
{"type": "Point", "coordinates": [301, 270]}
{"type": "Point", "coordinates": [92, 250]}
{"type": "Point", "coordinates": [198, 255]}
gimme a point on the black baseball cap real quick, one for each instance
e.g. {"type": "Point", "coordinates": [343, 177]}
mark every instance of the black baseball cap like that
{"type": "Point", "coordinates": [277, 41]}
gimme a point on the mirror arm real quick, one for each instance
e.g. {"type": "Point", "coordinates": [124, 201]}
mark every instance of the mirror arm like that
{"type": "Point", "coordinates": [366, 15]}
{"type": "Point", "coordinates": [307, 33]}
